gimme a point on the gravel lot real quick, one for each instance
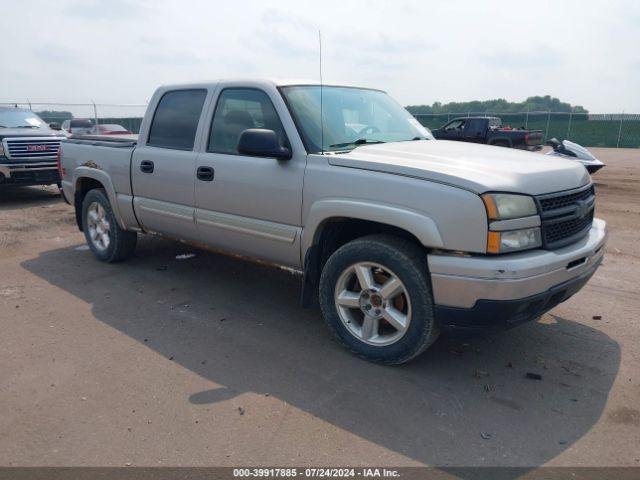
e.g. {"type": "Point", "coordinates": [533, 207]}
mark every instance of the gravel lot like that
{"type": "Point", "coordinates": [210, 361]}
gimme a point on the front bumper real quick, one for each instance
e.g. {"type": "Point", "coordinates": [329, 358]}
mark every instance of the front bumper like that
{"type": "Point", "coordinates": [505, 291]}
{"type": "Point", "coordinates": [40, 173]}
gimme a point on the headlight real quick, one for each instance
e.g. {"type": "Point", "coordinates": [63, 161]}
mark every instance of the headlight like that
{"type": "Point", "coordinates": [513, 222]}
{"type": "Point", "coordinates": [1, 150]}
{"type": "Point", "coordinates": [503, 206]}
{"type": "Point", "coordinates": [513, 240]}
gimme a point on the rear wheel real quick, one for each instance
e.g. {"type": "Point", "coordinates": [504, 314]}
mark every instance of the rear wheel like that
{"type": "Point", "coordinates": [107, 240]}
{"type": "Point", "coordinates": [376, 299]}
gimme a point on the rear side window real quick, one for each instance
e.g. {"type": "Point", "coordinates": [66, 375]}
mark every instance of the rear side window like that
{"type": "Point", "coordinates": [176, 119]}
{"type": "Point", "coordinates": [239, 109]}
{"type": "Point", "coordinates": [81, 123]}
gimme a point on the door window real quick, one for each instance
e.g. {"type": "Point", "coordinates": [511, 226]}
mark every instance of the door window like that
{"type": "Point", "coordinates": [176, 119]}
{"type": "Point", "coordinates": [239, 109]}
{"type": "Point", "coordinates": [455, 126]}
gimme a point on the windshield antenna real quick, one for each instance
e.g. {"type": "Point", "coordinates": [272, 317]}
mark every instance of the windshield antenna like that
{"type": "Point", "coordinates": [321, 113]}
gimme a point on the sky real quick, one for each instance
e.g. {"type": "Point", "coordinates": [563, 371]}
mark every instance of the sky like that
{"type": "Point", "coordinates": [118, 51]}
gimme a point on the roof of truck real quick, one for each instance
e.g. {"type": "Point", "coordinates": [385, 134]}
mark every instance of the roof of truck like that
{"type": "Point", "coordinates": [277, 82]}
{"type": "Point", "coordinates": [476, 117]}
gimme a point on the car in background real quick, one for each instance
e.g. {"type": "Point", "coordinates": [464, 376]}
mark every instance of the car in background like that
{"type": "Point", "coordinates": [28, 149]}
{"type": "Point", "coordinates": [110, 129]}
{"type": "Point", "coordinates": [77, 126]}
{"type": "Point", "coordinates": [489, 130]}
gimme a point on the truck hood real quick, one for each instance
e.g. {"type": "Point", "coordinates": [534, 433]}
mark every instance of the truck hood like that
{"type": "Point", "coordinates": [28, 132]}
{"type": "Point", "coordinates": [479, 168]}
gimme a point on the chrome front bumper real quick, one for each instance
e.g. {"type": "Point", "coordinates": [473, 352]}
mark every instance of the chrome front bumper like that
{"type": "Point", "coordinates": [462, 281]}
{"type": "Point", "coordinates": [7, 169]}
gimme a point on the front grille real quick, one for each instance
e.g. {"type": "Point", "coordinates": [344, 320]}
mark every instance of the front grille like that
{"type": "Point", "coordinates": [566, 217]}
{"type": "Point", "coordinates": [554, 202]}
{"type": "Point", "coordinates": [561, 230]}
{"type": "Point", "coordinates": [31, 148]}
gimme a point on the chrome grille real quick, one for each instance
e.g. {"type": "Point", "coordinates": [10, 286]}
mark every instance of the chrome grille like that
{"type": "Point", "coordinates": [566, 217]}
{"type": "Point", "coordinates": [31, 148]}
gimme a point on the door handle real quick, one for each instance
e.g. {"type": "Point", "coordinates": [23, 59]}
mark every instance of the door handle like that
{"type": "Point", "coordinates": [146, 166]}
{"type": "Point", "coordinates": [205, 174]}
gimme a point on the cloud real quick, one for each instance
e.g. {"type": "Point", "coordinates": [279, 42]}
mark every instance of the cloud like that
{"type": "Point", "coordinates": [100, 10]}
{"type": "Point", "coordinates": [57, 54]}
{"type": "Point", "coordinates": [172, 57]}
{"type": "Point", "coordinates": [286, 34]}
{"type": "Point", "coordinates": [419, 51]}
{"type": "Point", "coordinates": [539, 57]}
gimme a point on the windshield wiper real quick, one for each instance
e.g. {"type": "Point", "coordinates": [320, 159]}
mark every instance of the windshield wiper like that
{"type": "Point", "coordinates": [26, 126]}
{"type": "Point", "coordinates": [360, 141]}
{"type": "Point", "coordinates": [413, 139]}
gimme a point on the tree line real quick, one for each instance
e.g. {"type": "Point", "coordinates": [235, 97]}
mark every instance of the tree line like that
{"type": "Point", "coordinates": [544, 103]}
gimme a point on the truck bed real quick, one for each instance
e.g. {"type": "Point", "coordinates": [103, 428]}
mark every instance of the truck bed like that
{"type": "Point", "coordinates": [109, 157]}
{"type": "Point", "coordinates": [116, 141]}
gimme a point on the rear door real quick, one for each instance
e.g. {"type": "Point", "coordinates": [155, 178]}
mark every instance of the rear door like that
{"type": "Point", "coordinates": [247, 204]}
{"type": "Point", "coordinates": [163, 167]}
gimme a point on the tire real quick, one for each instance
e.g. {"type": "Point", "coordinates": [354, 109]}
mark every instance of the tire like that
{"type": "Point", "coordinates": [97, 220]}
{"type": "Point", "coordinates": [384, 257]}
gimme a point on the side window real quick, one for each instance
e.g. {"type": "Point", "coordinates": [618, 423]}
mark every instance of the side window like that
{"type": "Point", "coordinates": [239, 109]}
{"type": "Point", "coordinates": [455, 125]}
{"type": "Point", "coordinates": [176, 119]}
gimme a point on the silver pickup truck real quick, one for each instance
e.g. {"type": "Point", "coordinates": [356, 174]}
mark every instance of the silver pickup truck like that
{"type": "Point", "coordinates": [398, 235]}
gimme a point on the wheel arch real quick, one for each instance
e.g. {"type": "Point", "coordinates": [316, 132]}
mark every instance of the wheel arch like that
{"type": "Point", "coordinates": [87, 179]}
{"type": "Point", "coordinates": [332, 223]}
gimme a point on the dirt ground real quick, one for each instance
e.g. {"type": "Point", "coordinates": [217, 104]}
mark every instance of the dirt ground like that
{"type": "Point", "coordinates": [210, 361]}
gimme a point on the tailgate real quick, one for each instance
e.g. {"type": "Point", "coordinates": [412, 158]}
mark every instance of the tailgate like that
{"type": "Point", "coordinates": [534, 137]}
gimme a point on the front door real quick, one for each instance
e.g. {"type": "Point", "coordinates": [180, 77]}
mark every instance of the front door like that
{"type": "Point", "coordinates": [245, 204]}
{"type": "Point", "coordinates": [163, 169]}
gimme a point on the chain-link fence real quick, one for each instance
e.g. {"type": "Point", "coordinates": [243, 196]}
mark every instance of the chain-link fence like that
{"type": "Point", "coordinates": [587, 129]}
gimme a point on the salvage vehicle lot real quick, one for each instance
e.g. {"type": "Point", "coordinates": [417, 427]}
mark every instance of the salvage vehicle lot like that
{"type": "Point", "coordinates": [210, 361]}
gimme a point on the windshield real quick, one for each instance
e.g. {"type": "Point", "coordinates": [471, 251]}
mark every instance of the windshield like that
{"type": "Point", "coordinates": [351, 117]}
{"type": "Point", "coordinates": [18, 118]}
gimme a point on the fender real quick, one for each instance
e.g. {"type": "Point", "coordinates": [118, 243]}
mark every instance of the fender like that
{"type": "Point", "coordinates": [102, 177]}
{"type": "Point", "coordinates": [416, 223]}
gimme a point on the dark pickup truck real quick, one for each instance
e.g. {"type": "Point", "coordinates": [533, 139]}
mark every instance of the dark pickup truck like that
{"type": "Point", "coordinates": [489, 130]}
{"type": "Point", "coordinates": [28, 149]}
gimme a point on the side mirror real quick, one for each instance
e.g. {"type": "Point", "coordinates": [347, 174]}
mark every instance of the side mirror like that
{"type": "Point", "coordinates": [55, 126]}
{"type": "Point", "coordinates": [260, 142]}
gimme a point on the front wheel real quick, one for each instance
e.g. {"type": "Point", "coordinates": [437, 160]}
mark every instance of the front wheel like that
{"type": "Point", "coordinates": [376, 299]}
{"type": "Point", "coordinates": [108, 242]}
